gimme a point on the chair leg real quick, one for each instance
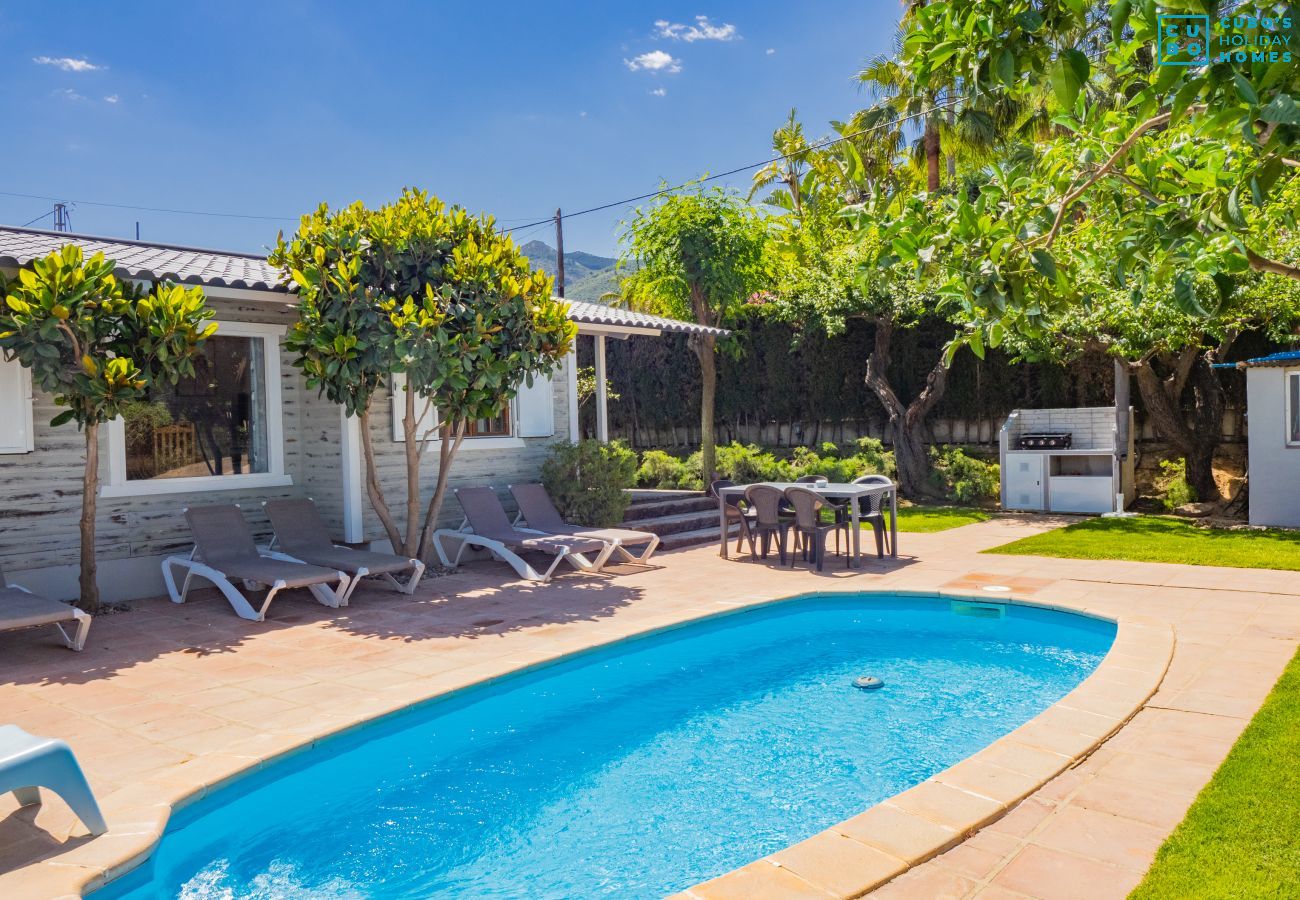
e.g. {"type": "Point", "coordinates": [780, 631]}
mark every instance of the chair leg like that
{"type": "Point", "coordinates": [822, 535]}
{"type": "Point", "coordinates": [879, 528]}
{"type": "Point", "coordinates": [781, 543]}
{"type": "Point", "coordinates": [27, 796]}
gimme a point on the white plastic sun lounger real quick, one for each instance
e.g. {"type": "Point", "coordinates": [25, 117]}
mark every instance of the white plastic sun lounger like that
{"type": "Point", "coordinates": [537, 509]}
{"type": "Point", "coordinates": [301, 535]}
{"type": "Point", "coordinates": [20, 608]}
{"type": "Point", "coordinates": [490, 528]}
{"type": "Point", "coordinates": [224, 552]}
{"type": "Point", "coordinates": [28, 762]}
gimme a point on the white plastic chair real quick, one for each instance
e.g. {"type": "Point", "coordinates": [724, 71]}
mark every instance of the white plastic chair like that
{"type": "Point", "coordinates": [28, 762]}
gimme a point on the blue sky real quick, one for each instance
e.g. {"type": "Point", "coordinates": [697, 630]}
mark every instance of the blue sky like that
{"type": "Point", "coordinates": [268, 108]}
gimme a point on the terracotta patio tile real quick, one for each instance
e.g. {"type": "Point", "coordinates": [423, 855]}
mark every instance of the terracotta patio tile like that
{"type": "Point", "coordinates": [1049, 874]}
{"type": "Point", "coordinates": [838, 864]}
{"type": "Point", "coordinates": [1098, 835]}
{"type": "Point", "coordinates": [896, 832]}
{"type": "Point", "coordinates": [1161, 808]}
{"type": "Point", "coordinates": [759, 881]}
{"type": "Point", "coordinates": [931, 883]}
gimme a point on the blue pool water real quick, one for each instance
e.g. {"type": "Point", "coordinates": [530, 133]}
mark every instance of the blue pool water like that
{"type": "Point", "coordinates": [638, 769]}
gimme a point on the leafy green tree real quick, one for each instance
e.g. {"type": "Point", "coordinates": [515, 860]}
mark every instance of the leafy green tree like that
{"type": "Point", "coordinates": [1164, 172]}
{"type": "Point", "coordinates": [435, 293]}
{"type": "Point", "coordinates": [97, 344]}
{"type": "Point", "coordinates": [699, 255]}
{"type": "Point", "coordinates": [1171, 352]}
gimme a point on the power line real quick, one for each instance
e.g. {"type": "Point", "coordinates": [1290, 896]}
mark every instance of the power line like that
{"type": "Point", "coordinates": [37, 219]}
{"type": "Point", "coordinates": [183, 212]}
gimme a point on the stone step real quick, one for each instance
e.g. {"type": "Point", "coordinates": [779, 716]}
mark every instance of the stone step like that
{"type": "Point", "coordinates": [658, 509]}
{"type": "Point", "coordinates": [676, 522]}
{"type": "Point", "coordinates": [680, 539]}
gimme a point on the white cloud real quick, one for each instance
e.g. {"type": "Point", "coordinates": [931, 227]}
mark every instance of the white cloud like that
{"type": "Point", "coordinates": [582, 114]}
{"type": "Point", "coordinates": [771, 50]}
{"type": "Point", "coordinates": [660, 92]}
{"type": "Point", "coordinates": [702, 30]}
{"type": "Point", "coordinates": [67, 63]}
{"type": "Point", "coordinates": [111, 98]}
{"type": "Point", "coordinates": [654, 61]}
{"type": "Point", "coordinates": [68, 94]}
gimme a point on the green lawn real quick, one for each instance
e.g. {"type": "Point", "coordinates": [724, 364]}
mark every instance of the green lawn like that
{"type": "Point", "coordinates": [1162, 539]}
{"type": "Point", "coordinates": [927, 519]}
{"type": "Point", "coordinates": [1241, 838]}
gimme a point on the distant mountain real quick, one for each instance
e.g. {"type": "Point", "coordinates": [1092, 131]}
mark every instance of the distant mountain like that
{"type": "Point", "coordinates": [594, 287]}
{"type": "Point", "coordinates": [577, 265]}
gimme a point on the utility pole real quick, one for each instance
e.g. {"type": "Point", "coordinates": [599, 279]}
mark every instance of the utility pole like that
{"type": "Point", "coordinates": [61, 220]}
{"type": "Point", "coordinates": [559, 251]}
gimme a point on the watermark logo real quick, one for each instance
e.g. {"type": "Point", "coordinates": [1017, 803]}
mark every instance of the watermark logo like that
{"type": "Point", "coordinates": [1195, 40]}
{"type": "Point", "coordinates": [1184, 40]}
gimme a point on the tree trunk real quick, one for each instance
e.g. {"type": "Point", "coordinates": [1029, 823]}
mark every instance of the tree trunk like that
{"type": "Point", "coordinates": [373, 489]}
{"type": "Point", "coordinates": [704, 346]}
{"type": "Point", "coordinates": [1195, 442]}
{"type": "Point", "coordinates": [448, 445]}
{"type": "Point", "coordinates": [932, 154]}
{"type": "Point", "coordinates": [89, 600]}
{"type": "Point", "coordinates": [905, 428]}
{"type": "Point", "coordinates": [414, 450]}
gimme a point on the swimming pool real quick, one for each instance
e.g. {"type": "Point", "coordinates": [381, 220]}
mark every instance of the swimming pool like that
{"type": "Point", "coordinates": [636, 769]}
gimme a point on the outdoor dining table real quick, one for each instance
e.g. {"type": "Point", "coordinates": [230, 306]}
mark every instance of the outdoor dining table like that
{"type": "Point", "coordinates": [854, 493]}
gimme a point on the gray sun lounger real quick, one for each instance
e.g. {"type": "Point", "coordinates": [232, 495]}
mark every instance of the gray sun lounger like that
{"type": "Point", "coordinates": [225, 552]}
{"type": "Point", "coordinates": [20, 608]}
{"type": "Point", "coordinates": [537, 509]}
{"type": "Point", "coordinates": [301, 535]}
{"type": "Point", "coordinates": [490, 528]}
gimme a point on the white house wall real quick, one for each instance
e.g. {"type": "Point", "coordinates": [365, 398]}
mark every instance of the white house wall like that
{"type": "Point", "coordinates": [495, 466]}
{"type": "Point", "coordinates": [40, 497]}
{"type": "Point", "coordinates": [40, 492]}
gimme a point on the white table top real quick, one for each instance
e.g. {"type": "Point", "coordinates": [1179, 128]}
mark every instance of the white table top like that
{"type": "Point", "coordinates": [829, 489]}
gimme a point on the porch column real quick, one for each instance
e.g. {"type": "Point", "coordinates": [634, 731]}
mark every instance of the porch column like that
{"type": "Point", "coordinates": [602, 393]}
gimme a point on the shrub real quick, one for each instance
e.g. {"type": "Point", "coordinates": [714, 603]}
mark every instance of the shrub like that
{"type": "Point", "coordinates": [964, 478]}
{"type": "Point", "coordinates": [667, 472]}
{"type": "Point", "coordinates": [1174, 491]}
{"type": "Point", "coordinates": [744, 463]}
{"type": "Point", "coordinates": [589, 480]}
{"type": "Point", "coordinates": [874, 458]}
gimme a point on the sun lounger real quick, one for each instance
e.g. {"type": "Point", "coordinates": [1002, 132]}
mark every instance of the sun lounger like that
{"type": "Point", "coordinates": [301, 535]}
{"type": "Point", "coordinates": [224, 552]}
{"type": "Point", "coordinates": [20, 608]}
{"type": "Point", "coordinates": [28, 762]}
{"type": "Point", "coordinates": [490, 529]}
{"type": "Point", "coordinates": [537, 509]}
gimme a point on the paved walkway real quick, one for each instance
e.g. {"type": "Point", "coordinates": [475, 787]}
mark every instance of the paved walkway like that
{"type": "Point", "coordinates": [169, 702]}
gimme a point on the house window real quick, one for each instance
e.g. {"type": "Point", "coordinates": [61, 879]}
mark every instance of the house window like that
{"type": "Point", "coordinates": [498, 426]}
{"type": "Point", "coordinates": [496, 432]}
{"type": "Point", "coordinates": [218, 428]}
{"type": "Point", "coordinates": [1293, 408]}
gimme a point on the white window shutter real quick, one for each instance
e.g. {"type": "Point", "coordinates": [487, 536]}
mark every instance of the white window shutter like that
{"type": "Point", "coordinates": [429, 419]}
{"type": "Point", "coordinates": [536, 406]}
{"type": "Point", "coordinates": [17, 434]}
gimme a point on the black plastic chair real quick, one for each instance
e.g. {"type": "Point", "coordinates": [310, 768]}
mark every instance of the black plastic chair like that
{"type": "Point", "coordinates": [765, 501]}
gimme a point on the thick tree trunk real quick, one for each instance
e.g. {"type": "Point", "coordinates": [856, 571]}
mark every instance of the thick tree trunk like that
{"type": "Point", "coordinates": [705, 346]}
{"type": "Point", "coordinates": [1195, 440]}
{"type": "Point", "coordinates": [905, 428]}
{"type": "Point", "coordinates": [373, 489]}
{"type": "Point", "coordinates": [89, 600]}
